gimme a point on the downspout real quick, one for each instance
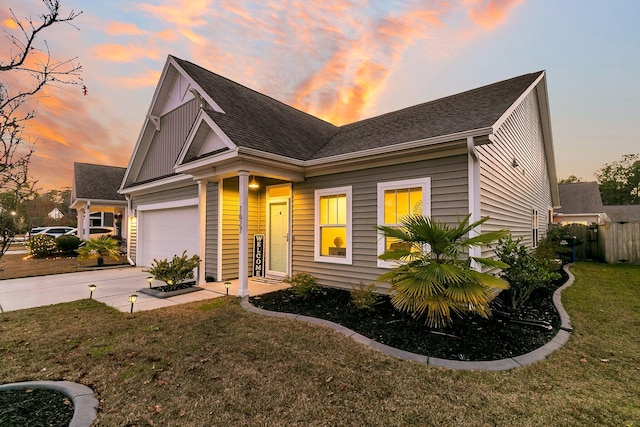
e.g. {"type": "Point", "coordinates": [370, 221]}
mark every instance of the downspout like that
{"type": "Point", "coordinates": [128, 199]}
{"type": "Point", "coordinates": [473, 171]}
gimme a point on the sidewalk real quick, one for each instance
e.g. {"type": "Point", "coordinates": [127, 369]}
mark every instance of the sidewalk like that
{"type": "Point", "coordinates": [113, 287]}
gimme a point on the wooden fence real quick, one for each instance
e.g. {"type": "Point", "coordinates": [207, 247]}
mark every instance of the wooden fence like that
{"type": "Point", "coordinates": [619, 242]}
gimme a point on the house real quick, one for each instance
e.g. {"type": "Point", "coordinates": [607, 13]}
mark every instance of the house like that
{"type": "Point", "coordinates": [256, 187]}
{"type": "Point", "coordinates": [623, 214]}
{"type": "Point", "coordinates": [95, 197]}
{"type": "Point", "coordinates": [581, 203]}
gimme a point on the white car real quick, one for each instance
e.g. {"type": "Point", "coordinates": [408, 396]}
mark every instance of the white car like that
{"type": "Point", "coordinates": [94, 232]}
{"type": "Point", "coordinates": [49, 231]}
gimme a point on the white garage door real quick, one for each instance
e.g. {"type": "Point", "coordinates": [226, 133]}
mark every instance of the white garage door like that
{"type": "Point", "coordinates": [164, 233]}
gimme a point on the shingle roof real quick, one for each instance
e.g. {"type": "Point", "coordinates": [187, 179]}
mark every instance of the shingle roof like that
{"type": "Point", "coordinates": [257, 121]}
{"type": "Point", "coordinates": [97, 182]}
{"type": "Point", "coordinates": [254, 120]}
{"type": "Point", "coordinates": [623, 213]}
{"type": "Point", "coordinates": [475, 109]}
{"type": "Point", "coordinates": [580, 198]}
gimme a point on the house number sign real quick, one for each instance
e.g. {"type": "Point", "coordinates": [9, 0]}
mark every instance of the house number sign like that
{"type": "Point", "coordinates": [258, 255]}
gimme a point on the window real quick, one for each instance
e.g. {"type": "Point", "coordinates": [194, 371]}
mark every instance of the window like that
{"type": "Point", "coordinates": [333, 225]}
{"type": "Point", "coordinates": [534, 227]}
{"type": "Point", "coordinates": [396, 200]}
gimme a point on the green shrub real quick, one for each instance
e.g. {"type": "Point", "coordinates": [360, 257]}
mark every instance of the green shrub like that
{"type": "Point", "coordinates": [434, 277]}
{"type": "Point", "coordinates": [303, 284]}
{"type": "Point", "coordinates": [41, 245]}
{"type": "Point", "coordinates": [556, 246]}
{"type": "Point", "coordinates": [173, 272]}
{"type": "Point", "coordinates": [99, 249]}
{"type": "Point", "coordinates": [364, 296]}
{"type": "Point", "coordinates": [68, 243]}
{"type": "Point", "coordinates": [525, 273]}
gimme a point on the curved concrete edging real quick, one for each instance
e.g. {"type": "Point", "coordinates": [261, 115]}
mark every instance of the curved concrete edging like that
{"type": "Point", "coordinates": [541, 353]}
{"type": "Point", "coordinates": [84, 403]}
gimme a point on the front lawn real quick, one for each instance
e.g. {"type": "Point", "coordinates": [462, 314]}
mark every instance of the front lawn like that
{"type": "Point", "coordinates": [13, 266]}
{"type": "Point", "coordinates": [212, 363]}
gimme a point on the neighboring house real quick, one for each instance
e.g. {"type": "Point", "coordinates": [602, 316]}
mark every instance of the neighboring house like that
{"type": "Point", "coordinates": [624, 213]}
{"type": "Point", "coordinates": [95, 197]}
{"type": "Point", "coordinates": [218, 166]}
{"type": "Point", "coordinates": [581, 203]}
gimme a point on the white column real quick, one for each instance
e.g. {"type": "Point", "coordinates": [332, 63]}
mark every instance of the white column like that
{"type": "Point", "coordinates": [85, 232]}
{"type": "Point", "coordinates": [202, 210]}
{"type": "Point", "coordinates": [243, 244]}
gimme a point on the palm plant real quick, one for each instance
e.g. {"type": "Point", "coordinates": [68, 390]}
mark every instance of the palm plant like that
{"type": "Point", "coordinates": [434, 277]}
{"type": "Point", "coordinates": [100, 248]}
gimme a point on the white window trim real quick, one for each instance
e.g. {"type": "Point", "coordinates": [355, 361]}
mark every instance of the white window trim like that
{"type": "Point", "coordinates": [535, 228]}
{"type": "Point", "coordinates": [425, 183]}
{"type": "Point", "coordinates": [316, 230]}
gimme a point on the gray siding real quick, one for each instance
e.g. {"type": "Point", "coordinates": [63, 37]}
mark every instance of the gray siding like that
{"type": "Point", "coordinates": [166, 144]}
{"type": "Point", "coordinates": [448, 200]}
{"type": "Point", "coordinates": [133, 238]}
{"type": "Point", "coordinates": [211, 243]}
{"type": "Point", "coordinates": [182, 193]}
{"type": "Point", "coordinates": [508, 194]}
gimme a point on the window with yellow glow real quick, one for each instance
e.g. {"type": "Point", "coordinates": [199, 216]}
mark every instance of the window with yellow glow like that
{"type": "Point", "coordinates": [397, 200]}
{"type": "Point", "coordinates": [333, 223]}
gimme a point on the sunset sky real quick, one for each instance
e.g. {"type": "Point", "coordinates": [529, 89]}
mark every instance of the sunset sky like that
{"type": "Point", "coordinates": [342, 61]}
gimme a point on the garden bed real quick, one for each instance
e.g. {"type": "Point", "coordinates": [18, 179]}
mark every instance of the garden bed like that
{"type": "Point", "coordinates": [166, 291]}
{"type": "Point", "coordinates": [468, 338]}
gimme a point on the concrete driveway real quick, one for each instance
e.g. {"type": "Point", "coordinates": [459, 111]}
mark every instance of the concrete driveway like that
{"type": "Point", "coordinates": [113, 287]}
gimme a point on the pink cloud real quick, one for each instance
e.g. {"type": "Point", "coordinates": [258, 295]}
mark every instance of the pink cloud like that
{"type": "Point", "coordinates": [123, 28]}
{"type": "Point", "coordinates": [122, 53]}
{"type": "Point", "coordinates": [492, 13]}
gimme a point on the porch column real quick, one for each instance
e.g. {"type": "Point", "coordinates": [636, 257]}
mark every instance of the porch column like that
{"type": "Point", "coordinates": [84, 232]}
{"type": "Point", "coordinates": [243, 245]}
{"type": "Point", "coordinates": [202, 234]}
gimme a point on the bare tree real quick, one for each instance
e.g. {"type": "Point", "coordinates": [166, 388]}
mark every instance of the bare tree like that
{"type": "Point", "coordinates": [25, 68]}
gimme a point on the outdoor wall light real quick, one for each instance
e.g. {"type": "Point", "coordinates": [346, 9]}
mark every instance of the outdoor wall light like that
{"type": "Point", "coordinates": [515, 163]}
{"type": "Point", "coordinates": [92, 287]}
{"type": "Point", "coordinates": [253, 184]}
{"type": "Point", "coordinates": [227, 285]}
{"type": "Point", "coordinates": [149, 279]}
{"type": "Point", "coordinates": [132, 298]}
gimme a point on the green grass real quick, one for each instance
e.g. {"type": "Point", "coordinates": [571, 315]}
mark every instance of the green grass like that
{"type": "Point", "coordinates": [212, 363]}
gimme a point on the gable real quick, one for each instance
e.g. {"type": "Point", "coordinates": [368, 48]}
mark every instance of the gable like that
{"type": "Point", "coordinates": [180, 92]}
{"type": "Point", "coordinates": [205, 138]}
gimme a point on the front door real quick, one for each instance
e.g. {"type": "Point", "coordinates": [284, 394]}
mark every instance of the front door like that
{"type": "Point", "coordinates": [278, 237]}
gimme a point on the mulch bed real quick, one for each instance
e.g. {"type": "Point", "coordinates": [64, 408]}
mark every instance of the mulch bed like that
{"type": "Point", "coordinates": [35, 408]}
{"type": "Point", "coordinates": [468, 338]}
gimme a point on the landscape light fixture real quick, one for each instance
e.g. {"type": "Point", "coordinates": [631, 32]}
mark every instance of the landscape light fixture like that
{"type": "Point", "coordinates": [227, 285]}
{"type": "Point", "coordinates": [92, 287]}
{"type": "Point", "coordinates": [253, 184]}
{"type": "Point", "coordinates": [132, 299]}
{"type": "Point", "coordinates": [170, 282]}
{"type": "Point", "coordinates": [149, 279]}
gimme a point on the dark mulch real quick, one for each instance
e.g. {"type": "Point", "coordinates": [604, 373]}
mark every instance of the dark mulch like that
{"type": "Point", "coordinates": [468, 338]}
{"type": "Point", "coordinates": [35, 407]}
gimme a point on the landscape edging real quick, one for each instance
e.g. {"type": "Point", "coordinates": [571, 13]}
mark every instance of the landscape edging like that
{"type": "Point", "coordinates": [558, 341]}
{"type": "Point", "coordinates": [84, 402]}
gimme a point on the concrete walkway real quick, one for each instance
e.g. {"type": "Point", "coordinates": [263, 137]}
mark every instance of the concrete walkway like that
{"type": "Point", "coordinates": [113, 287]}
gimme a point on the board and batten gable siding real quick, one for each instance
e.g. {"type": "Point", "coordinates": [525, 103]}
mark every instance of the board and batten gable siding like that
{"type": "Point", "coordinates": [508, 194]}
{"type": "Point", "coordinates": [167, 143]}
{"type": "Point", "coordinates": [211, 242]}
{"type": "Point", "coordinates": [449, 200]}
{"type": "Point", "coordinates": [181, 193]}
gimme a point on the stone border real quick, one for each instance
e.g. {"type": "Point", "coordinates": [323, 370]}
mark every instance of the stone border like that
{"type": "Point", "coordinates": [162, 295]}
{"type": "Point", "coordinates": [559, 340]}
{"type": "Point", "coordinates": [84, 403]}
